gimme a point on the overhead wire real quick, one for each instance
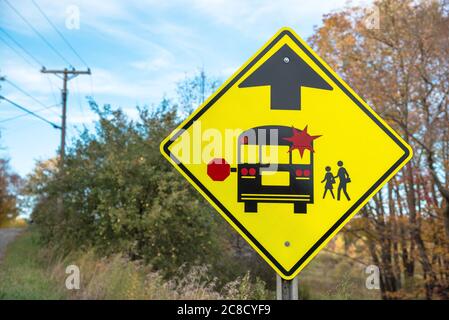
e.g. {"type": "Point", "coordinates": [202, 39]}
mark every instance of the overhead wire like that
{"type": "Point", "coordinates": [60, 34]}
{"type": "Point", "coordinates": [21, 47]}
{"type": "Point", "coordinates": [73, 50]}
{"type": "Point", "coordinates": [80, 104]}
{"type": "Point", "coordinates": [38, 33]}
{"type": "Point", "coordinates": [27, 94]}
{"type": "Point", "coordinates": [54, 125]}
{"type": "Point", "coordinates": [50, 82]}
{"type": "Point", "coordinates": [26, 114]}
{"type": "Point", "coordinates": [17, 52]}
{"type": "Point", "coordinates": [27, 53]}
{"type": "Point", "coordinates": [57, 52]}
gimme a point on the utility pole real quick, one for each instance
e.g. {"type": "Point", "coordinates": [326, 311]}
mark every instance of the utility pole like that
{"type": "Point", "coordinates": [65, 75]}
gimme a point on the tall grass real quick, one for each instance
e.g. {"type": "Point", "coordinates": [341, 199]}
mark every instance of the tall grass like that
{"type": "Point", "coordinates": [23, 274]}
{"type": "Point", "coordinates": [32, 272]}
{"type": "Point", "coordinates": [117, 277]}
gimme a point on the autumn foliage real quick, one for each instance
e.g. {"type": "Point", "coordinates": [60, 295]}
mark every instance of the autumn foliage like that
{"type": "Point", "coordinates": [402, 70]}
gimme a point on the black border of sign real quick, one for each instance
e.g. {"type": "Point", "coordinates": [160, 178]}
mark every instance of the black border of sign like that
{"type": "Point", "coordinates": [226, 211]}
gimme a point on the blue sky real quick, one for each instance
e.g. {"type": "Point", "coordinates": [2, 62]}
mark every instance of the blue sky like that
{"type": "Point", "coordinates": [137, 51]}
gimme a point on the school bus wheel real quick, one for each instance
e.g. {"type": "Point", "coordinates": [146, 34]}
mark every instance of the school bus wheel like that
{"type": "Point", "coordinates": [300, 207]}
{"type": "Point", "coordinates": [250, 206]}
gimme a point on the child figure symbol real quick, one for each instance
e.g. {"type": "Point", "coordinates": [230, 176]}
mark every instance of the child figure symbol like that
{"type": "Point", "coordinates": [343, 180]}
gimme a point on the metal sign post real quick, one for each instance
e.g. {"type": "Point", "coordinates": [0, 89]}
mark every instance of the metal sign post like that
{"type": "Point", "coordinates": [287, 289]}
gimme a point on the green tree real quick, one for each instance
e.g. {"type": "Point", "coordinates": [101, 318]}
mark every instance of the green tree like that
{"type": "Point", "coordinates": [193, 91]}
{"type": "Point", "coordinates": [120, 195]}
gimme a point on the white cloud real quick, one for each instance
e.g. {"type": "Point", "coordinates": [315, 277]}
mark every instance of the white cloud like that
{"type": "Point", "coordinates": [151, 64]}
{"type": "Point", "coordinates": [228, 71]}
{"type": "Point", "coordinates": [33, 82]}
{"type": "Point", "coordinates": [57, 12]}
{"type": "Point", "coordinates": [108, 87]}
{"type": "Point", "coordinates": [260, 17]}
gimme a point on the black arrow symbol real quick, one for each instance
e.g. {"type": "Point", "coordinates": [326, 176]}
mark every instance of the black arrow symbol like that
{"type": "Point", "coordinates": [285, 72]}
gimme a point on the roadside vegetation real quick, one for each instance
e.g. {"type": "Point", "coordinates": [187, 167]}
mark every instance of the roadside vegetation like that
{"type": "Point", "coordinates": [10, 184]}
{"type": "Point", "coordinates": [30, 270]}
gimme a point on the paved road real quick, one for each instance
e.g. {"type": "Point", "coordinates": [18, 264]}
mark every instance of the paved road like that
{"type": "Point", "coordinates": [6, 236]}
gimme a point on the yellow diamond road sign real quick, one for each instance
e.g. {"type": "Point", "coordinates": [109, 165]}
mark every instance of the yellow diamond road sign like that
{"type": "Point", "coordinates": [286, 151]}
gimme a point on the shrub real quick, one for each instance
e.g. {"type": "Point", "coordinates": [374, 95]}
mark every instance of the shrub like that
{"type": "Point", "coordinates": [120, 196]}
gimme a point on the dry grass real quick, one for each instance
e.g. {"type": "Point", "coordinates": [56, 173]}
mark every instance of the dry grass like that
{"type": "Point", "coordinates": [32, 272]}
{"type": "Point", "coordinates": [114, 277]}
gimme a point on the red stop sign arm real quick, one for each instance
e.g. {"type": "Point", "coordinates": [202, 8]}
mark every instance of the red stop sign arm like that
{"type": "Point", "coordinates": [218, 169]}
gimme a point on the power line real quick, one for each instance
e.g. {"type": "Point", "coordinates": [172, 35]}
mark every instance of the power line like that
{"type": "Point", "coordinates": [17, 52]}
{"type": "Point", "coordinates": [26, 93]}
{"type": "Point", "coordinates": [54, 125]}
{"type": "Point", "coordinates": [69, 45]}
{"type": "Point", "coordinates": [25, 59]}
{"type": "Point", "coordinates": [60, 34]}
{"type": "Point", "coordinates": [78, 94]}
{"type": "Point", "coordinates": [38, 33]}
{"type": "Point", "coordinates": [21, 47]}
{"type": "Point", "coordinates": [26, 114]}
{"type": "Point", "coordinates": [28, 62]}
{"type": "Point", "coordinates": [52, 87]}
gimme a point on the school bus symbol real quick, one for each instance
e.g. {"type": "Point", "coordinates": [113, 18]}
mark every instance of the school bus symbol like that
{"type": "Point", "coordinates": [268, 170]}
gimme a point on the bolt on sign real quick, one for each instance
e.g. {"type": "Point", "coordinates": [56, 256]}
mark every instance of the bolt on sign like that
{"type": "Point", "coordinates": [286, 152]}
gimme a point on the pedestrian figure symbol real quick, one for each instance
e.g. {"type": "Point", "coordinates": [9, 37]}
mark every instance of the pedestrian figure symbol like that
{"type": "Point", "coordinates": [329, 179]}
{"type": "Point", "coordinates": [343, 180]}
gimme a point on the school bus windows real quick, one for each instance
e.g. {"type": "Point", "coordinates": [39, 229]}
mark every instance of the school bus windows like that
{"type": "Point", "coordinates": [271, 154]}
{"type": "Point", "coordinates": [297, 159]}
{"type": "Point", "coordinates": [249, 153]}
